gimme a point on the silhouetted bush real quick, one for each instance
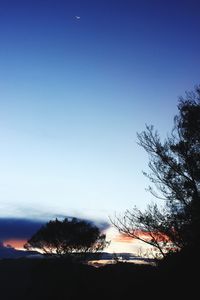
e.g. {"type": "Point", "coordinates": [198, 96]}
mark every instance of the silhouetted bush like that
{"type": "Point", "coordinates": [72, 238]}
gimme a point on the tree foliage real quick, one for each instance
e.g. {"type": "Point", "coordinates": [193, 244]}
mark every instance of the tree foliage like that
{"type": "Point", "coordinates": [67, 237]}
{"type": "Point", "coordinates": [175, 173]}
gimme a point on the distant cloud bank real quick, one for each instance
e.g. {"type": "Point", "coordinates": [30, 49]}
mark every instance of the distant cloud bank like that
{"type": "Point", "coordinates": [23, 229]}
{"type": "Point", "coordinates": [13, 228]}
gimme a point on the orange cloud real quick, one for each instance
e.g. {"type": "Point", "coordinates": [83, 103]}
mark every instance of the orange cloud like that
{"type": "Point", "coordinates": [17, 244]}
{"type": "Point", "coordinates": [120, 238]}
{"type": "Point", "coordinates": [141, 234]}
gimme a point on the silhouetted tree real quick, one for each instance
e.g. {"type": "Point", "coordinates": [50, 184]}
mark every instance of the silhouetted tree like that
{"type": "Point", "coordinates": [67, 237]}
{"type": "Point", "coordinates": [175, 172]}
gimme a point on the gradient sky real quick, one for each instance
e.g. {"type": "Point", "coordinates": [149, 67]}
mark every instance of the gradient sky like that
{"type": "Point", "coordinates": [74, 92]}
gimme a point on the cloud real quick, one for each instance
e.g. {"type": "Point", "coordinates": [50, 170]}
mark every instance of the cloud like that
{"type": "Point", "coordinates": [23, 229]}
{"type": "Point", "coordinates": [14, 228]}
{"type": "Point", "coordinates": [102, 225]}
{"type": "Point", "coordinates": [120, 238]}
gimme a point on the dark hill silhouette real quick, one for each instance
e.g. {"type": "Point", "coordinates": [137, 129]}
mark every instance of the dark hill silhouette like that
{"type": "Point", "coordinates": [48, 279]}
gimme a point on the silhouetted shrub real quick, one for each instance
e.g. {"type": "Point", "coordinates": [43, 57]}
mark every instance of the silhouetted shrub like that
{"type": "Point", "coordinates": [70, 238]}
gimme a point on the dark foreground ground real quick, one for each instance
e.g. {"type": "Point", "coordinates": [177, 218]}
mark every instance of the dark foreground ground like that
{"type": "Point", "coordinates": [49, 279]}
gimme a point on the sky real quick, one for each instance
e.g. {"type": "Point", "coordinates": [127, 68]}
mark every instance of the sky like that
{"type": "Point", "coordinates": [78, 80]}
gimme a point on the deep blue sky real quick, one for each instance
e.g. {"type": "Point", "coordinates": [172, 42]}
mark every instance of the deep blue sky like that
{"type": "Point", "coordinates": [74, 92]}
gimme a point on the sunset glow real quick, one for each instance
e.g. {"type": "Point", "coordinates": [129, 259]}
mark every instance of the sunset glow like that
{"type": "Point", "coordinates": [17, 244]}
{"type": "Point", "coordinates": [122, 243]}
{"type": "Point", "coordinates": [118, 243]}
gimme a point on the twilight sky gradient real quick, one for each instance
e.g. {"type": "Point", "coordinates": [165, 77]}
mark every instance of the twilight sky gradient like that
{"type": "Point", "coordinates": [74, 92]}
